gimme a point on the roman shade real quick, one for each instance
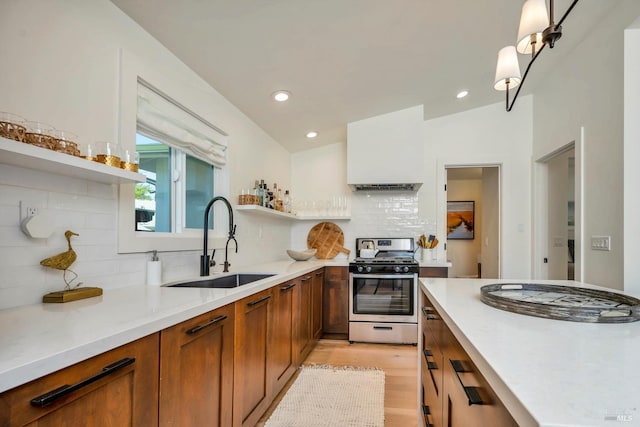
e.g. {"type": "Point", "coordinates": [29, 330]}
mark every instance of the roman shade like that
{"type": "Point", "coordinates": [161, 117]}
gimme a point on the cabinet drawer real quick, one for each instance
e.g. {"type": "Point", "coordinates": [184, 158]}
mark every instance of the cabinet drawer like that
{"type": "Point", "coordinates": [119, 387]}
{"type": "Point", "coordinates": [469, 400]}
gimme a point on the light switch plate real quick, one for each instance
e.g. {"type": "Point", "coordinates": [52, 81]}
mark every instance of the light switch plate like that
{"type": "Point", "coordinates": [601, 243]}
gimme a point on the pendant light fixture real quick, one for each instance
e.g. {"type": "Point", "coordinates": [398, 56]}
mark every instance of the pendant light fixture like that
{"type": "Point", "coordinates": [537, 30]}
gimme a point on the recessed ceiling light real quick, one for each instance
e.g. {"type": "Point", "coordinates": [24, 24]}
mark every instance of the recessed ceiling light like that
{"type": "Point", "coordinates": [462, 94]}
{"type": "Point", "coordinates": [281, 95]}
{"type": "Point", "coordinates": [312, 134]}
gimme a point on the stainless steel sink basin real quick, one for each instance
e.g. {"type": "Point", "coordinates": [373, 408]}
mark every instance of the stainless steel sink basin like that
{"type": "Point", "coordinates": [227, 281]}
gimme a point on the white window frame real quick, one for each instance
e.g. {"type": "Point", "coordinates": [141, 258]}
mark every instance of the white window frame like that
{"type": "Point", "coordinates": [129, 240]}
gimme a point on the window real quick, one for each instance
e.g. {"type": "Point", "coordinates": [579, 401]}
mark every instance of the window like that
{"type": "Point", "coordinates": [182, 155]}
{"type": "Point", "coordinates": [171, 204]}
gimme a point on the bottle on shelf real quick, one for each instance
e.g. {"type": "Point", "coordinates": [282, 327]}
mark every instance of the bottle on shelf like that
{"type": "Point", "coordinates": [287, 202]}
{"type": "Point", "coordinates": [279, 204]}
{"type": "Point", "coordinates": [261, 194]}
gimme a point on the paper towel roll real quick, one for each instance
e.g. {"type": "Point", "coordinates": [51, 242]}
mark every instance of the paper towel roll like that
{"type": "Point", "coordinates": [154, 273]}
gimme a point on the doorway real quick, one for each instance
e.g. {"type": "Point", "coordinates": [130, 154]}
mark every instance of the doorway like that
{"type": "Point", "coordinates": [476, 253]}
{"type": "Point", "coordinates": [557, 246]}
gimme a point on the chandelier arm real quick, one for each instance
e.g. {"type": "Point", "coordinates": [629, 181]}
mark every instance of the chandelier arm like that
{"type": "Point", "coordinates": [524, 77]}
{"type": "Point", "coordinates": [567, 12]}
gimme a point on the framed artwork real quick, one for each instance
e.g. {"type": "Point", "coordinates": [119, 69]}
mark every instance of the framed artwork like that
{"type": "Point", "coordinates": [460, 220]}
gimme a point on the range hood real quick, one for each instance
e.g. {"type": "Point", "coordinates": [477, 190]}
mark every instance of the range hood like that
{"type": "Point", "coordinates": [386, 153]}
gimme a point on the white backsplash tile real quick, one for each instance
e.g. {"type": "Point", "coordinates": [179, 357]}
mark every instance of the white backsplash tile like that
{"type": "Point", "coordinates": [90, 209]}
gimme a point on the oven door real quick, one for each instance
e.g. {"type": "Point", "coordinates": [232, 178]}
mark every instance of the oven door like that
{"type": "Point", "coordinates": [383, 298]}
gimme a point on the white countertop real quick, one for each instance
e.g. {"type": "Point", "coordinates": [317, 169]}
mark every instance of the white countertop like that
{"type": "Point", "coordinates": [38, 339]}
{"type": "Point", "coordinates": [547, 372]}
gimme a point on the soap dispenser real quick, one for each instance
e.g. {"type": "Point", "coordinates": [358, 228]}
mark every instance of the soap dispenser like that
{"type": "Point", "coordinates": [154, 270]}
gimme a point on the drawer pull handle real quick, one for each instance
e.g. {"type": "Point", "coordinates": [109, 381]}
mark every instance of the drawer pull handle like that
{"type": "Point", "coordinates": [305, 279]}
{"type": "Point", "coordinates": [428, 313]}
{"type": "Point", "coordinates": [198, 328]}
{"type": "Point", "coordinates": [286, 288]}
{"type": "Point", "coordinates": [430, 365]}
{"type": "Point", "coordinates": [50, 397]}
{"type": "Point", "coordinates": [258, 301]}
{"type": "Point", "coordinates": [383, 328]}
{"type": "Point", "coordinates": [471, 392]}
{"type": "Point", "coordinates": [426, 412]}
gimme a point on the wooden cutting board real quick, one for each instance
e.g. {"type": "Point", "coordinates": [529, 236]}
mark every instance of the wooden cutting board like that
{"type": "Point", "coordinates": [328, 239]}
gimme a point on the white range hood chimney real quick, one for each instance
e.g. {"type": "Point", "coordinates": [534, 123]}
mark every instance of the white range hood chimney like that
{"type": "Point", "coordinates": [386, 153]}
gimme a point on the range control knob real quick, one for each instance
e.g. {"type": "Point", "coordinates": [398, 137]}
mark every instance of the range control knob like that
{"type": "Point", "coordinates": [405, 269]}
{"type": "Point", "coordinates": [396, 269]}
{"type": "Point", "coordinates": [368, 268]}
{"type": "Point", "coordinates": [359, 269]}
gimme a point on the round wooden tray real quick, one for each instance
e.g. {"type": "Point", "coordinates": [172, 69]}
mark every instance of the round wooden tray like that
{"type": "Point", "coordinates": [328, 239]}
{"type": "Point", "coordinates": [562, 302]}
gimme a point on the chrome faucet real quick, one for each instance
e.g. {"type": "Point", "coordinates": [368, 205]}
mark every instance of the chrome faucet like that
{"type": "Point", "coordinates": [204, 258]}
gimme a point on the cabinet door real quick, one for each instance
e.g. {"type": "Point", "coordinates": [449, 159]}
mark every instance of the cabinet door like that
{"type": "Point", "coordinates": [316, 304]}
{"type": "Point", "coordinates": [335, 310]}
{"type": "Point", "coordinates": [431, 364]}
{"type": "Point", "coordinates": [468, 398]}
{"type": "Point", "coordinates": [281, 349]}
{"type": "Point", "coordinates": [251, 389]}
{"type": "Point", "coordinates": [116, 388]}
{"type": "Point", "coordinates": [303, 320]}
{"type": "Point", "coordinates": [196, 371]}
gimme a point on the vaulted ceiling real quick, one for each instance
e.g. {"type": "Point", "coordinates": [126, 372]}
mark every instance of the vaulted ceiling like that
{"type": "Point", "coordinates": [346, 60]}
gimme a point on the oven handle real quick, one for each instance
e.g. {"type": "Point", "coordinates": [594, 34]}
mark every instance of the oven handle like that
{"type": "Point", "coordinates": [382, 276]}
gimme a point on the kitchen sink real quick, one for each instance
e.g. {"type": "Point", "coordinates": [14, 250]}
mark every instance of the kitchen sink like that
{"type": "Point", "coordinates": [228, 281]}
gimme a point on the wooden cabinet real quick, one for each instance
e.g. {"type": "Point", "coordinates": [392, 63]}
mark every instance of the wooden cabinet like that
{"type": "Point", "coordinates": [303, 337]}
{"type": "Point", "coordinates": [116, 388]}
{"type": "Point", "coordinates": [431, 358]}
{"type": "Point", "coordinates": [251, 388]}
{"type": "Point", "coordinates": [434, 272]}
{"type": "Point", "coordinates": [196, 370]}
{"type": "Point", "coordinates": [454, 392]}
{"type": "Point", "coordinates": [335, 310]}
{"type": "Point", "coordinates": [317, 285]}
{"type": "Point", "coordinates": [282, 353]}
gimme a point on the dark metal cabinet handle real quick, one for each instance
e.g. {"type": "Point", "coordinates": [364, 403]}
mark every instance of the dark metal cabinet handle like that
{"type": "Point", "coordinates": [258, 301]}
{"type": "Point", "coordinates": [471, 392]}
{"type": "Point", "coordinates": [430, 365]}
{"type": "Point", "coordinates": [286, 288]}
{"type": "Point", "coordinates": [319, 274]}
{"type": "Point", "coordinates": [50, 397]}
{"type": "Point", "coordinates": [304, 279]}
{"type": "Point", "coordinates": [383, 328]}
{"type": "Point", "coordinates": [426, 412]}
{"type": "Point", "coordinates": [212, 322]}
{"type": "Point", "coordinates": [427, 311]}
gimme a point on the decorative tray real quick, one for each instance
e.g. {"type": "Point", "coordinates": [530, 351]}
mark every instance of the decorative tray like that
{"type": "Point", "coordinates": [562, 302]}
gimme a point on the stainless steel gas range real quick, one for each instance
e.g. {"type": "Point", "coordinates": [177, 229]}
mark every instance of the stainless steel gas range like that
{"type": "Point", "coordinates": [383, 291]}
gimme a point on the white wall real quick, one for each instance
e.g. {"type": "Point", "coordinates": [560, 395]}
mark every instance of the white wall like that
{"type": "Point", "coordinates": [490, 223]}
{"type": "Point", "coordinates": [631, 157]}
{"type": "Point", "coordinates": [585, 88]}
{"type": "Point", "coordinates": [61, 66]}
{"type": "Point", "coordinates": [488, 136]}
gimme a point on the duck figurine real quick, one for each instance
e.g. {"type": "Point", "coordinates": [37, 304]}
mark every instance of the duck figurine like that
{"type": "Point", "coordinates": [63, 260]}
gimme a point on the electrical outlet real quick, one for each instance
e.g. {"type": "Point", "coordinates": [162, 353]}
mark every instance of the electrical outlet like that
{"type": "Point", "coordinates": [28, 208]}
{"type": "Point", "coordinates": [601, 243]}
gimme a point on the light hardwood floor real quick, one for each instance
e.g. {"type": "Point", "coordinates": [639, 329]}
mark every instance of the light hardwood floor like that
{"type": "Point", "coordinates": [399, 362]}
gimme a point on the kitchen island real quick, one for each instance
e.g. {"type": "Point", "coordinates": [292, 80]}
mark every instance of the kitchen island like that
{"type": "Point", "coordinates": [546, 372]}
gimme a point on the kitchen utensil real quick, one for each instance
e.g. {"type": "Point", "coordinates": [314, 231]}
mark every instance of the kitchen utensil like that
{"type": "Point", "coordinates": [328, 239]}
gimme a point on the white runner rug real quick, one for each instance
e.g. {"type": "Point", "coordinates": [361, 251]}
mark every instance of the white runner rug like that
{"type": "Point", "coordinates": [324, 396]}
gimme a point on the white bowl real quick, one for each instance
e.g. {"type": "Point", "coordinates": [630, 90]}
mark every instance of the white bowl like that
{"type": "Point", "coordinates": [301, 255]}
